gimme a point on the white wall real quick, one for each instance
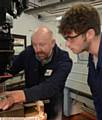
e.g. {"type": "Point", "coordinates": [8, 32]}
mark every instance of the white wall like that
{"type": "Point", "coordinates": [25, 24]}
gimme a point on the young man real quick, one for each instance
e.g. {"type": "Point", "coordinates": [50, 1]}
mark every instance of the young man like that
{"type": "Point", "coordinates": [81, 28]}
{"type": "Point", "coordinates": [46, 69]}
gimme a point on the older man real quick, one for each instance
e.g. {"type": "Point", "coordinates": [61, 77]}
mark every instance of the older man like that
{"type": "Point", "coordinates": [46, 69]}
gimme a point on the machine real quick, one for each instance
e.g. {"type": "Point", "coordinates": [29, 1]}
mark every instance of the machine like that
{"type": "Point", "coordinates": [9, 10]}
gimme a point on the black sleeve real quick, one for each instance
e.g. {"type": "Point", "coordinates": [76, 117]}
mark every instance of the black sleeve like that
{"type": "Point", "coordinates": [53, 84]}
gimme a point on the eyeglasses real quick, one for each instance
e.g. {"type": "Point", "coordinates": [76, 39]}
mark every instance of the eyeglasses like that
{"type": "Point", "coordinates": [66, 37]}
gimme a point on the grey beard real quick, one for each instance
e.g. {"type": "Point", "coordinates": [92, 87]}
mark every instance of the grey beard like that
{"type": "Point", "coordinates": [47, 60]}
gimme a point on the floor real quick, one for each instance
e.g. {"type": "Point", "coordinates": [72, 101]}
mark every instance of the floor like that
{"type": "Point", "coordinates": [81, 116]}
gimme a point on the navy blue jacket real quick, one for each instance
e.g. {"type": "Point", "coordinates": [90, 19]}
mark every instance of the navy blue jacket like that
{"type": "Point", "coordinates": [95, 82]}
{"type": "Point", "coordinates": [44, 81]}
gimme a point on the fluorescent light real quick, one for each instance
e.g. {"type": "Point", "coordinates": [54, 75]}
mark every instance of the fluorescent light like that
{"type": "Point", "coordinates": [59, 18]}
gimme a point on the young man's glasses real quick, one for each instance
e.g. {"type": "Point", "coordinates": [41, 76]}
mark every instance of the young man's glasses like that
{"type": "Point", "coordinates": [66, 37]}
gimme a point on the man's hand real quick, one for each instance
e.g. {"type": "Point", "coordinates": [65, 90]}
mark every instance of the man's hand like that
{"type": "Point", "coordinates": [6, 102]}
{"type": "Point", "coordinates": [11, 97]}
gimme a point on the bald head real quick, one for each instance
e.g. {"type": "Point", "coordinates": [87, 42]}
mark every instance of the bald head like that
{"type": "Point", "coordinates": [43, 42]}
{"type": "Point", "coordinates": [43, 31]}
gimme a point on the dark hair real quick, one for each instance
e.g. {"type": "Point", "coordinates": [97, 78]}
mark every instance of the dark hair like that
{"type": "Point", "coordinates": [79, 18]}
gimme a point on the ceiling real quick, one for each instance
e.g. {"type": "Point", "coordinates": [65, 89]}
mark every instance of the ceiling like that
{"type": "Point", "coordinates": [50, 8]}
